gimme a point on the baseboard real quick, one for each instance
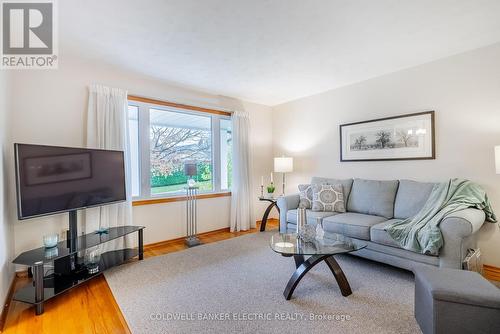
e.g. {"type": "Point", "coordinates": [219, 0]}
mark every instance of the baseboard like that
{"type": "Point", "coordinates": [170, 241]}
{"type": "Point", "coordinates": [491, 272]}
{"type": "Point", "coordinates": [163, 243]}
{"type": "Point", "coordinates": [160, 244]}
{"type": "Point", "coordinates": [8, 300]}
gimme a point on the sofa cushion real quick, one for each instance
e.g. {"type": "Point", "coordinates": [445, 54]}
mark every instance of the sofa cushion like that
{"type": "Point", "coordinates": [327, 197]}
{"type": "Point", "coordinates": [398, 257]}
{"type": "Point", "coordinates": [373, 197]}
{"type": "Point", "coordinates": [380, 236]}
{"type": "Point", "coordinates": [311, 216]}
{"type": "Point", "coordinates": [306, 196]}
{"type": "Point", "coordinates": [346, 184]}
{"type": "Point", "coordinates": [411, 197]}
{"type": "Point", "coordinates": [350, 224]}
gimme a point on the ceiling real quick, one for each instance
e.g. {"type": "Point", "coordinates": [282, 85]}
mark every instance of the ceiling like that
{"type": "Point", "coordinates": [273, 51]}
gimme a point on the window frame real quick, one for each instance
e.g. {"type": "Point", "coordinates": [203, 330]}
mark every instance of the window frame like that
{"type": "Point", "coordinates": [144, 105]}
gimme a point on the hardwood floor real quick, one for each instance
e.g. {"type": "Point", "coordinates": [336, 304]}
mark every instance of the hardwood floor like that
{"type": "Point", "coordinates": [492, 273]}
{"type": "Point", "coordinates": [91, 307]}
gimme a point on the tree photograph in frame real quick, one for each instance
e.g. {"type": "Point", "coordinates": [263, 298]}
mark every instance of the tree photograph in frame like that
{"type": "Point", "coordinates": [404, 137]}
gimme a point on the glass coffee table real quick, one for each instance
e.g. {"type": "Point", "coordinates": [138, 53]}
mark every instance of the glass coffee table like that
{"type": "Point", "coordinates": [288, 244]}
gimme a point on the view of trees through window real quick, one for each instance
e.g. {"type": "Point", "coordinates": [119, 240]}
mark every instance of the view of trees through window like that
{"type": "Point", "coordinates": [162, 139]}
{"type": "Point", "coordinates": [174, 139]}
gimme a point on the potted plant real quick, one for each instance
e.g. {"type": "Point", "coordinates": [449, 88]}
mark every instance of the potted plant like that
{"type": "Point", "coordinates": [271, 188]}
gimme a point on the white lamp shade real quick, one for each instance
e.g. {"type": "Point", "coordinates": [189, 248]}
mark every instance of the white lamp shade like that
{"type": "Point", "coordinates": [283, 165]}
{"type": "Point", "coordinates": [497, 158]}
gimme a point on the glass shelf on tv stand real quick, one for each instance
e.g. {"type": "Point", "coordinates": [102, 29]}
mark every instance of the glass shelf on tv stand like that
{"type": "Point", "coordinates": [54, 285]}
{"type": "Point", "coordinates": [47, 255]}
{"type": "Point", "coordinates": [45, 287]}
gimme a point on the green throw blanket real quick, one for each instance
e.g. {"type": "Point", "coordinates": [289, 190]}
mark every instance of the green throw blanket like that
{"type": "Point", "coordinates": [421, 233]}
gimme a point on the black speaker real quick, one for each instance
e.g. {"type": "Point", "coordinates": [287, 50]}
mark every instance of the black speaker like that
{"type": "Point", "coordinates": [65, 265]}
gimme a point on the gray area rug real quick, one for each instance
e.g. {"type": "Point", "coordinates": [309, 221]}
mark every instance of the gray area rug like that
{"type": "Point", "coordinates": [236, 286]}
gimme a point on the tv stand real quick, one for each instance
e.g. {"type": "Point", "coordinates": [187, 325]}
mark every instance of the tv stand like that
{"type": "Point", "coordinates": [47, 287]}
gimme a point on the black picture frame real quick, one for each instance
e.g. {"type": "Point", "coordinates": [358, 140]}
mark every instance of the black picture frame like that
{"type": "Point", "coordinates": [432, 156]}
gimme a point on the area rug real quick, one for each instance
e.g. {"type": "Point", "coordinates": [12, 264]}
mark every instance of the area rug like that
{"type": "Point", "coordinates": [236, 286]}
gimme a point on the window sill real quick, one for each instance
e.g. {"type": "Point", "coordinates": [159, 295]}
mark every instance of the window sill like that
{"type": "Point", "coordinates": [177, 198]}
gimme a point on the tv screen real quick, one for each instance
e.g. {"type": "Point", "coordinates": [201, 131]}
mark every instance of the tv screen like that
{"type": "Point", "coordinates": [51, 179]}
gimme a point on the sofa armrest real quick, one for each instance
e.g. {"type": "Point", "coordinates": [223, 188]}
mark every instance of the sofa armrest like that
{"type": "Point", "coordinates": [458, 231]}
{"type": "Point", "coordinates": [464, 223]}
{"type": "Point", "coordinates": [285, 203]}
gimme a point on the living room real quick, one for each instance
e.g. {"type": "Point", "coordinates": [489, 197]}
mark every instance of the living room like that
{"type": "Point", "coordinates": [212, 117]}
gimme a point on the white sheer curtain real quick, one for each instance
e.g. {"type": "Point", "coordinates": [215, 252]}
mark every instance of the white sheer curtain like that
{"type": "Point", "coordinates": [241, 195]}
{"type": "Point", "coordinates": [107, 128]}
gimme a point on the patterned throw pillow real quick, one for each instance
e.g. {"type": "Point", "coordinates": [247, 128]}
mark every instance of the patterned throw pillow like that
{"type": "Point", "coordinates": [306, 196]}
{"type": "Point", "coordinates": [327, 197]}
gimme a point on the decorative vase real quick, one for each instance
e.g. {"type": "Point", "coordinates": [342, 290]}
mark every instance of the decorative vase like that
{"type": "Point", "coordinates": [320, 233]}
{"type": "Point", "coordinates": [50, 240]}
{"type": "Point", "coordinates": [301, 219]}
{"type": "Point", "coordinates": [92, 259]}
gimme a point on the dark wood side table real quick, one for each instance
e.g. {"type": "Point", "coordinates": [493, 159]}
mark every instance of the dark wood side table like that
{"type": "Point", "coordinates": [272, 204]}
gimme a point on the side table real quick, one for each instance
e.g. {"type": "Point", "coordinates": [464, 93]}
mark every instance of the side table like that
{"type": "Point", "coordinates": [272, 204]}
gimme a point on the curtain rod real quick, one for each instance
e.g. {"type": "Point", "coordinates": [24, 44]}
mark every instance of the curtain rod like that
{"type": "Point", "coordinates": [178, 105]}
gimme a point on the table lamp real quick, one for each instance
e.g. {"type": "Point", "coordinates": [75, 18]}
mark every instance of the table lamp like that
{"type": "Point", "coordinates": [283, 165]}
{"type": "Point", "coordinates": [497, 158]}
{"type": "Point", "coordinates": [190, 170]}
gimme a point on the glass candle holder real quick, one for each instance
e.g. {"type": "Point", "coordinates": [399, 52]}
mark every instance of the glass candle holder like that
{"type": "Point", "coordinates": [50, 240]}
{"type": "Point", "coordinates": [92, 259]}
{"type": "Point", "coordinates": [320, 233]}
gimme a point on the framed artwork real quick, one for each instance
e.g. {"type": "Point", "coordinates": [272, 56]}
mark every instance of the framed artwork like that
{"type": "Point", "coordinates": [58, 168]}
{"type": "Point", "coordinates": [405, 137]}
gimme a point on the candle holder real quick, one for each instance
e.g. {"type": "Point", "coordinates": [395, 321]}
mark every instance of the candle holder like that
{"type": "Point", "coordinates": [261, 190]}
{"type": "Point", "coordinates": [92, 259]}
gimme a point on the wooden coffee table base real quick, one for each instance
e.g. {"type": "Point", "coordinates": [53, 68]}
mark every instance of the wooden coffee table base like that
{"type": "Point", "coordinates": [303, 266]}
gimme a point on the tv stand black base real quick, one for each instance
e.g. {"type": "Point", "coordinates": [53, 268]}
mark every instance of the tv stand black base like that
{"type": "Point", "coordinates": [47, 287]}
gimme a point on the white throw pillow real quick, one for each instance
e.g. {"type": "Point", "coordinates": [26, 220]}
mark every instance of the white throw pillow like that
{"type": "Point", "coordinates": [328, 197]}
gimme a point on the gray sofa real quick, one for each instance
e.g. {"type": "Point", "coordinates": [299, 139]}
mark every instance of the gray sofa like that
{"type": "Point", "coordinates": [371, 205]}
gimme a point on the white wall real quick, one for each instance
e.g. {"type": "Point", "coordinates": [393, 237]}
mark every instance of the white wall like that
{"type": "Point", "coordinates": [49, 107]}
{"type": "Point", "coordinates": [464, 90]}
{"type": "Point", "coordinates": [6, 232]}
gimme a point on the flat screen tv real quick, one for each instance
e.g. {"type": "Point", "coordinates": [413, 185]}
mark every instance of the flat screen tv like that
{"type": "Point", "coordinates": [51, 179]}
